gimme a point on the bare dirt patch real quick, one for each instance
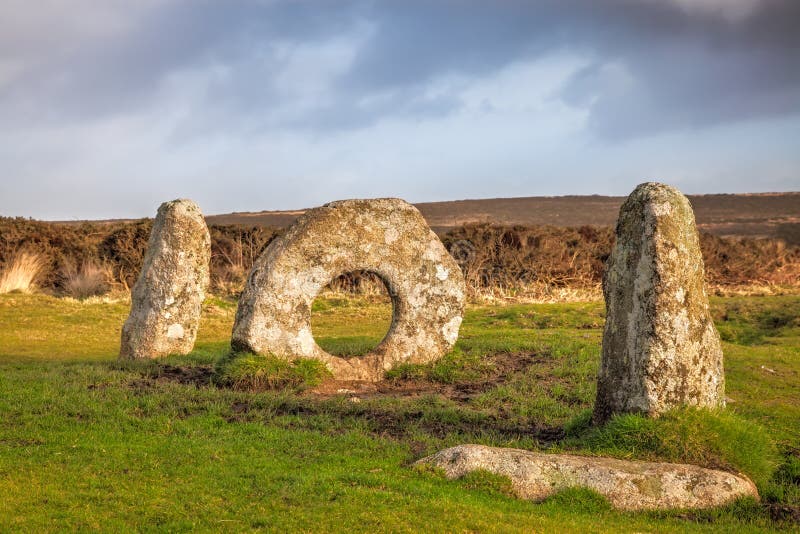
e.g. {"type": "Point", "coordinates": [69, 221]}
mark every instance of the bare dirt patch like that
{"type": "Point", "coordinates": [502, 366]}
{"type": "Point", "coordinates": [399, 423]}
{"type": "Point", "coordinates": [197, 375]}
{"type": "Point", "coordinates": [393, 420]}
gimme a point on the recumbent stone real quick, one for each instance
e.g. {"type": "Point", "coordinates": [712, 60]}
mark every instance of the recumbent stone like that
{"type": "Point", "coordinates": [627, 485]}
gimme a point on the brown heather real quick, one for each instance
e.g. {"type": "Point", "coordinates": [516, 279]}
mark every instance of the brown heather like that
{"type": "Point", "coordinates": [88, 280]}
{"type": "Point", "coordinates": [526, 262]}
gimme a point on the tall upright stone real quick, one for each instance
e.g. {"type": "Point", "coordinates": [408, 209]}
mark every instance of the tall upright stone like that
{"type": "Point", "coordinates": [660, 347]}
{"type": "Point", "coordinates": [167, 297]}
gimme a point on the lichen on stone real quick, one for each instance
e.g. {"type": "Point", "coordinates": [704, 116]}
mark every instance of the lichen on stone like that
{"type": "Point", "coordinates": [628, 485]}
{"type": "Point", "coordinates": [167, 297]}
{"type": "Point", "coordinates": [387, 237]}
{"type": "Point", "coordinates": [660, 347]}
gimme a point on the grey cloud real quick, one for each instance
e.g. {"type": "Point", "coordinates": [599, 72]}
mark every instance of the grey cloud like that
{"type": "Point", "coordinates": [90, 77]}
{"type": "Point", "coordinates": [653, 66]}
{"type": "Point", "coordinates": [706, 71]}
{"type": "Point", "coordinates": [685, 69]}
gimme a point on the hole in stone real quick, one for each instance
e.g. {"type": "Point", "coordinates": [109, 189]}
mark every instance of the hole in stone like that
{"type": "Point", "coordinates": [352, 314]}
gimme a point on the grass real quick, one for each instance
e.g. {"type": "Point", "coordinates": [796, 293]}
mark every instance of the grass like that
{"type": "Point", "coordinates": [90, 280]}
{"type": "Point", "coordinates": [350, 327]}
{"type": "Point", "coordinates": [252, 372]}
{"type": "Point", "coordinates": [719, 439]}
{"type": "Point", "coordinates": [21, 272]}
{"type": "Point", "coordinates": [89, 443]}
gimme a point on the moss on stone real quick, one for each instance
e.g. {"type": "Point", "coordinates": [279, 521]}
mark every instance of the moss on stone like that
{"type": "Point", "coordinates": [660, 347]}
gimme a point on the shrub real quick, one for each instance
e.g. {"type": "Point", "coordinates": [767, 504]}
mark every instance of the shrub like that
{"type": "Point", "coordinates": [21, 272]}
{"type": "Point", "coordinates": [492, 256]}
{"type": "Point", "coordinates": [539, 262]}
{"type": "Point", "coordinates": [123, 248]}
{"type": "Point", "coordinates": [359, 282]}
{"type": "Point", "coordinates": [234, 249]}
{"type": "Point", "coordinates": [88, 281]}
{"type": "Point", "coordinates": [545, 259]}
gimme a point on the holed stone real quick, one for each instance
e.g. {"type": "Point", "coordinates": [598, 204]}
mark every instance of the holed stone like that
{"type": "Point", "coordinates": [387, 237]}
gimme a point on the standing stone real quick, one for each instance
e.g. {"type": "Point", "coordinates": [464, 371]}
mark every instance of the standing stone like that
{"type": "Point", "coordinates": [660, 347]}
{"type": "Point", "coordinates": [387, 237]}
{"type": "Point", "coordinates": [167, 297]}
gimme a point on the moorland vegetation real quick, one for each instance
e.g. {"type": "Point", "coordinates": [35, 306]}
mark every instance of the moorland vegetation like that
{"type": "Point", "coordinates": [518, 262]}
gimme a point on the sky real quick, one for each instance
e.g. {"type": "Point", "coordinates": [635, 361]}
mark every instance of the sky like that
{"type": "Point", "coordinates": [110, 107]}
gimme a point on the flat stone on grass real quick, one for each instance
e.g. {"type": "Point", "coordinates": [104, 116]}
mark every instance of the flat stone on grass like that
{"type": "Point", "coordinates": [626, 484]}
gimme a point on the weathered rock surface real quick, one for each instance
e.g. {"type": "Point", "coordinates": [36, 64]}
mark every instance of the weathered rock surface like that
{"type": "Point", "coordinates": [168, 295]}
{"type": "Point", "coordinates": [627, 485]}
{"type": "Point", "coordinates": [660, 347]}
{"type": "Point", "coordinates": [387, 237]}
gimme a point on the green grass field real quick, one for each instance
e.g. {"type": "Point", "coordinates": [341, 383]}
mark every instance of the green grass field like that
{"type": "Point", "coordinates": [88, 443]}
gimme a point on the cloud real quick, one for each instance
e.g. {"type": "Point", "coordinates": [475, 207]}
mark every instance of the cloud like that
{"type": "Point", "coordinates": [732, 10]}
{"type": "Point", "coordinates": [137, 101]}
{"type": "Point", "coordinates": [678, 64]}
{"type": "Point", "coordinates": [695, 70]}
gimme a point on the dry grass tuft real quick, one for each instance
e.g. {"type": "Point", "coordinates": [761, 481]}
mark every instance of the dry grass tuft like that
{"type": "Point", "coordinates": [90, 280]}
{"type": "Point", "coordinates": [21, 272]}
{"type": "Point", "coordinates": [533, 293]}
